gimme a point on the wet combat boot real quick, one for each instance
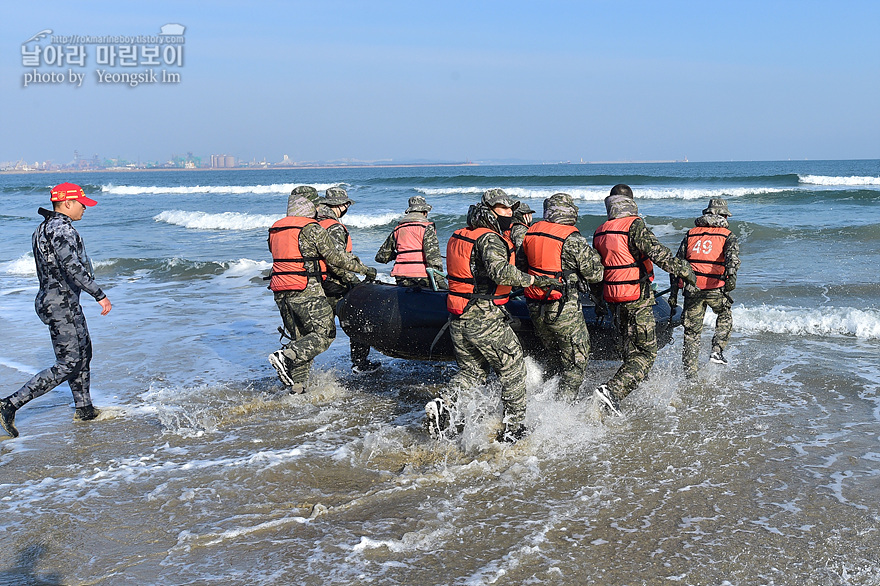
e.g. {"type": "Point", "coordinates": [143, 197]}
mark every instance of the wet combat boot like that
{"type": "Point", "coordinates": [7, 417]}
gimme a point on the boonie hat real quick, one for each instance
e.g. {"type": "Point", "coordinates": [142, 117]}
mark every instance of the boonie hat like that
{"type": "Point", "coordinates": [524, 208]}
{"type": "Point", "coordinates": [70, 192]}
{"type": "Point", "coordinates": [417, 203]}
{"type": "Point", "coordinates": [336, 196]}
{"type": "Point", "coordinates": [495, 197]}
{"type": "Point", "coordinates": [718, 207]}
{"type": "Point", "coordinates": [308, 192]}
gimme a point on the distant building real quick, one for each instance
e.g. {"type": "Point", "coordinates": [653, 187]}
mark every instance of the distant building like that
{"type": "Point", "coordinates": [222, 161]}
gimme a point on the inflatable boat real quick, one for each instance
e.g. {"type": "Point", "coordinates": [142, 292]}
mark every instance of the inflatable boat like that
{"type": "Point", "coordinates": [405, 322]}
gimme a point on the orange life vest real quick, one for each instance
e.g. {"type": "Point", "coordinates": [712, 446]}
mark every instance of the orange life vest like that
{"type": "Point", "coordinates": [624, 274]}
{"type": "Point", "coordinates": [462, 282]}
{"type": "Point", "coordinates": [705, 252]}
{"type": "Point", "coordinates": [326, 223]}
{"type": "Point", "coordinates": [290, 269]}
{"type": "Point", "coordinates": [543, 249]}
{"type": "Point", "coordinates": [408, 240]}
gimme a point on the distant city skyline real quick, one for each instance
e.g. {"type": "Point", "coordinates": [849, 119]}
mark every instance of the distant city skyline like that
{"type": "Point", "coordinates": [457, 81]}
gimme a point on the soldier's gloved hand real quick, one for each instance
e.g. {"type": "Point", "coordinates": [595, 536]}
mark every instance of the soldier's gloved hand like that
{"type": "Point", "coordinates": [547, 283]}
{"type": "Point", "coordinates": [729, 284]}
{"type": "Point", "coordinates": [688, 275]}
{"type": "Point", "coordinates": [673, 303]}
{"type": "Point", "coordinates": [601, 308]}
{"type": "Point", "coordinates": [370, 274]}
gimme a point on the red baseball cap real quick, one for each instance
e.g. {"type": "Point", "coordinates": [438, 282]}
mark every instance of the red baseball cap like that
{"type": "Point", "coordinates": [71, 191]}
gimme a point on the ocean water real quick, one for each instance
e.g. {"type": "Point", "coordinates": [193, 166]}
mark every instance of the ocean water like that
{"type": "Point", "coordinates": [201, 470]}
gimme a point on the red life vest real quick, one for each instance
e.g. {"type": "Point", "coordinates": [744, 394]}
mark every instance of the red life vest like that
{"type": "Point", "coordinates": [543, 249]}
{"type": "Point", "coordinates": [290, 269]}
{"type": "Point", "coordinates": [461, 280]}
{"type": "Point", "coordinates": [410, 259]}
{"type": "Point", "coordinates": [624, 274]}
{"type": "Point", "coordinates": [326, 223]}
{"type": "Point", "coordinates": [705, 252]}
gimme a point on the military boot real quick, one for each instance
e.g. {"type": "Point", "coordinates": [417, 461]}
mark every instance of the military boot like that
{"type": "Point", "coordinates": [7, 417]}
{"type": "Point", "coordinates": [606, 401]}
{"type": "Point", "coordinates": [512, 433]}
{"type": "Point", "coordinates": [86, 413]}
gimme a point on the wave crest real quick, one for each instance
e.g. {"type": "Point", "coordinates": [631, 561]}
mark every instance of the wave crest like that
{"type": "Point", "coordinates": [279, 188]}
{"type": "Point", "coordinates": [797, 321]}
{"type": "Point", "coordinates": [825, 180]}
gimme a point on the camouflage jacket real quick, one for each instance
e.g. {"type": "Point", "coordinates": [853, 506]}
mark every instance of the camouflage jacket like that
{"type": "Point", "coordinates": [339, 235]}
{"type": "Point", "coordinates": [314, 241]}
{"type": "Point", "coordinates": [578, 257]}
{"type": "Point", "coordinates": [490, 264]}
{"type": "Point", "coordinates": [518, 233]}
{"type": "Point", "coordinates": [430, 244]}
{"type": "Point", "coordinates": [643, 243]}
{"type": "Point", "coordinates": [731, 254]}
{"type": "Point", "coordinates": [63, 267]}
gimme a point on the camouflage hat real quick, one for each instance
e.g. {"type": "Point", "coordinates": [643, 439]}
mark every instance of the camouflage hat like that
{"type": "Point", "coordinates": [718, 207]}
{"type": "Point", "coordinates": [495, 197]}
{"type": "Point", "coordinates": [559, 208]}
{"type": "Point", "coordinates": [300, 205]}
{"type": "Point", "coordinates": [417, 203]}
{"type": "Point", "coordinates": [308, 192]}
{"type": "Point", "coordinates": [620, 206]}
{"type": "Point", "coordinates": [336, 196]}
{"type": "Point", "coordinates": [524, 208]}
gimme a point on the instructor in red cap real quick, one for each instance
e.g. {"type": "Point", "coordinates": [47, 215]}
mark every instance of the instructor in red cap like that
{"type": "Point", "coordinates": [64, 270]}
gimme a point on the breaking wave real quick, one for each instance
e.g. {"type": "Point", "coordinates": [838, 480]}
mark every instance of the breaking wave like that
{"type": "Point", "coordinates": [825, 180]}
{"type": "Point", "coordinates": [221, 221]}
{"type": "Point", "coordinates": [279, 188]}
{"type": "Point", "coordinates": [599, 193]}
{"type": "Point", "coordinates": [798, 321]}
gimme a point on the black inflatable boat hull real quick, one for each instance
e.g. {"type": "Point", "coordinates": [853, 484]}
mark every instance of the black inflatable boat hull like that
{"type": "Point", "coordinates": [402, 322]}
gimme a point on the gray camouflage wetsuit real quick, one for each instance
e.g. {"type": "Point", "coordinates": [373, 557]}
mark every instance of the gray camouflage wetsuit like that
{"type": "Point", "coordinates": [64, 270]}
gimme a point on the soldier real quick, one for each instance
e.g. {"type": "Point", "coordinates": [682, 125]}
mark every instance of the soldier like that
{"type": "Point", "coordinates": [555, 248]}
{"type": "Point", "coordinates": [414, 248]}
{"type": "Point", "coordinates": [481, 272]}
{"type": "Point", "coordinates": [299, 247]}
{"type": "Point", "coordinates": [713, 252]}
{"type": "Point", "coordinates": [338, 281]}
{"type": "Point", "coordinates": [63, 270]}
{"type": "Point", "coordinates": [522, 219]}
{"type": "Point", "coordinates": [627, 248]}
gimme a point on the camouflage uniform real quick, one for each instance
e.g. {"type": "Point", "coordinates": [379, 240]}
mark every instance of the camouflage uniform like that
{"type": "Point", "coordinates": [340, 281]}
{"type": "Point", "coordinates": [64, 270]}
{"type": "Point", "coordinates": [520, 226]}
{"type": "Point", "coordinates": [560, 324]}
{"type": "Point", "coordinates": [430, 247]}
{"type": "Point", "coordinates": [636, 335]}
{"type": "Point", "coordinates": [696, 300]}
{"type": "Point", "coordinates": [482, 338]}
{"type": "Point", "coordinates": [307, 317]}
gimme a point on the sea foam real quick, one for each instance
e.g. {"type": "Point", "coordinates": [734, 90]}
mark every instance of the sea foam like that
{"type": "Point", "coordinates": [279, 188]}
{"type": "Point", "coordinates": [221, 221]}
{"type": "Point", "coordinates": [798, 321]}
{"type": "Point", "coordinates": [599, 194]}
{"type": "Point", "coordinates": [22, 266]}
{"type": "Point", "coordinates": [847, 181]}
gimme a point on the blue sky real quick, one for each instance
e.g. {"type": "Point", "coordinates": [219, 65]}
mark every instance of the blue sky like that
{"type": "Point", "coordinates": [550, 81]}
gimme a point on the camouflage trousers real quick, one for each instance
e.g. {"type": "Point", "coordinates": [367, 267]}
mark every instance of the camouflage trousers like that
{"type": "Point", "coordinates": [484, 342]}
{"type": "Point", "coordinates": [73, 353]}
{"type": "Point", "coordinates": [359, 352]}
{"type": "Point", "coordinates": [637, 344]}
{"type": "Point", "coordinates": [567, 341]}
{"type": "Point", "coordinates": [308, 320]}
{"type": "Point", "coordinates": [694, 311]}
